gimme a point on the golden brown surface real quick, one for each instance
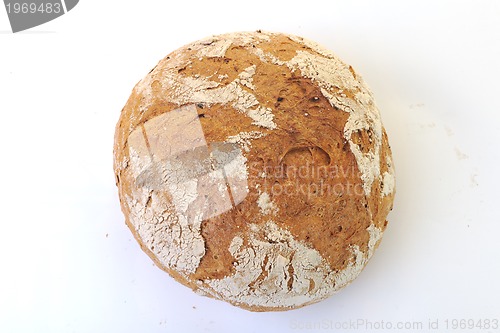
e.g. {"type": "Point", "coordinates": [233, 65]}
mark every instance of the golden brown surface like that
{"type": "Point", "coordinates": [324, 207]}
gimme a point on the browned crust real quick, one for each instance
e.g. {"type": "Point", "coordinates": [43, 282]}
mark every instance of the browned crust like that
{"type": "Point", "coordinates": [310, 133]}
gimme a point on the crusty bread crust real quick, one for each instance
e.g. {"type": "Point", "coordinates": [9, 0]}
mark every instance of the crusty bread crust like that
{"type": "Point", "coordinates": [309, 150]}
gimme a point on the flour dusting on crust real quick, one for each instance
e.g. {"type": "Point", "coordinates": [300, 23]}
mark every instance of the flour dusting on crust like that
{"type": "Point", "coordinates": [180, 182]}
{"type": "Point", "coordinates": [244, 139]}
{"type": "Point", "coordinates": [266, 205]}
{"type": "Point", "coordinates": [333, 76]}
{"type": "Point", "coordinates": [179, 179]}
{"type": "Point", "coordinates": [275, 270]}
{"type": "Point", "coordinates": [388, 178]}
{"type": "Point", "coordinates": [186, 90]}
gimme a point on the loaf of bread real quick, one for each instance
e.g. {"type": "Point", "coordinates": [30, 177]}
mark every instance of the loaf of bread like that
{"type": "Point", "coordinates": [253, 167]}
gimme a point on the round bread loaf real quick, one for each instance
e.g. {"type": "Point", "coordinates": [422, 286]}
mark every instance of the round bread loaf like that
{"type": "Point", "coordinates": [254, 168]}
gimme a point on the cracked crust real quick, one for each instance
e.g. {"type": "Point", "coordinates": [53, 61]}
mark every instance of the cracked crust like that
{"type": "Point", "coordinates": [307, 179]}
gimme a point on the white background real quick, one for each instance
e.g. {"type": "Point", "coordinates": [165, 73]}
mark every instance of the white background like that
{"type": "Point", "coordinates": [68, 263]}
